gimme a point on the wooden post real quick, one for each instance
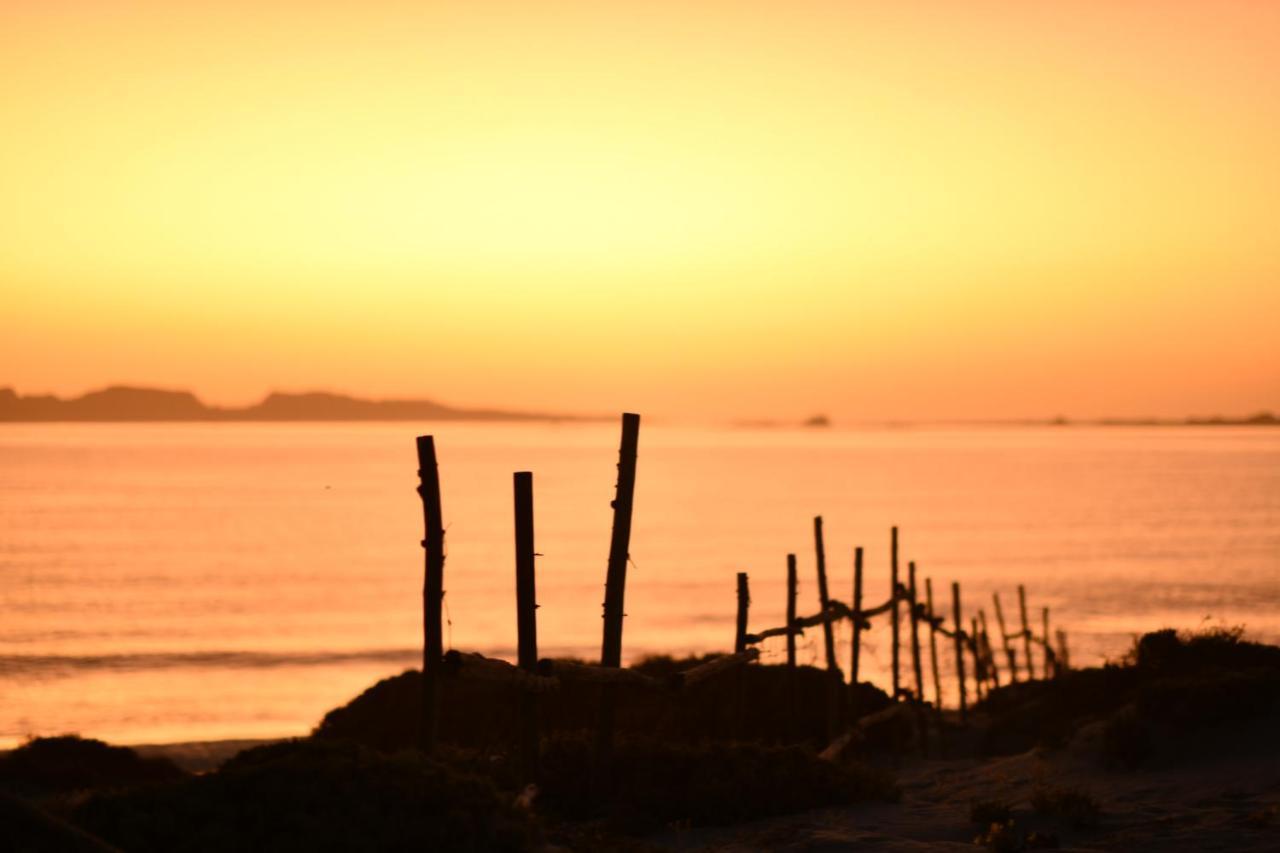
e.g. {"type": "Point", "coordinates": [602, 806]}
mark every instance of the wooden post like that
{"type": "Point", "coordinates": [744, 603]}
{"type": "Point", "coordinates": [616, 579]}
{"type": "Point", "coordinates": [791, 646]}
{"type": "Point", "coordinates": [1063, 664]}
{"type": "Point", "coordinates": [893, 596]}
{"type": "Point", "coordinates": [1026, 631]}
{"type": "Point", "coordinates": [959, 629]}
{"type": "Point", "coordinates": [526, 620]}
{"type": "Point", "coordinates": [915, 630]}
{"type": "Point", "coordinates": [989, 658]}
{"type": "Point", "coordinates": [1004, 640]}
{"type": "Point", "coordinates": [828, 631]}
{"type": "Point", "coordinates": [791, 612]}
{"type": "Point", "coordinates": [933, 644]}
{"type": "Point", "coordinates": [980, 676]}
{"type": "Point", "coordinates": [432, 591]}
{"type": "Point", "coordinates": [857, 615]}
{"type": "Point", "coordinates": [1044, 635]}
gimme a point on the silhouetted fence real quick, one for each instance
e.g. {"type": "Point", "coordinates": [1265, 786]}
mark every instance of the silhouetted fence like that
{"type": "Point", "coordinates": [531, 676]}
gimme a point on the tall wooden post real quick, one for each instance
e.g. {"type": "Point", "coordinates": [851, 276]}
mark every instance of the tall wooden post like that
{"type": "Point", "coordinates": [989, 658]}
{"type": "Point", "coordinates": [791, 645]}
{"type": "Point", "coordinates": [933, 643]}
{"type": "Point", "coordinates": [857, 616]}
{"type": "Point", "coordinates": [1004, 640]}
{"type": "Point", "coordinates": [432, 591]}
{"type": "Point", "coordinates": [980, 676]}
{"type": "Point", "coordinates": [1063, 664]}
{"type": "Point", "coordinates": [526, 619]}
{"type": "Point", "coordinates": [915, 630]}
{"type": "Point", "coordinates": [824, 599]}
{"type": "Point", "coordinates": [893, 597]}
{"type": "Point", "coordinates": [744, 603]}
{"type": "Point", "coordinates": [616, 579]}
{"type": "Point", "coordinates": [1026, 632]}
{"type": "Point", "coordinates": [791, 612]}
{"type": "Point", "coordinates": [1044, 635]}
{"type": "Point", "coordinates": [959, 630]}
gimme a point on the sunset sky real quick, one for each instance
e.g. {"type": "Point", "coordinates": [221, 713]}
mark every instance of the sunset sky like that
{"type": "Point", "coordinates": [706, 210]}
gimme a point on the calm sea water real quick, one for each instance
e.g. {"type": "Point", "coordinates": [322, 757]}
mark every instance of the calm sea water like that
{"type": "Point", "coordinates": [165, 582]}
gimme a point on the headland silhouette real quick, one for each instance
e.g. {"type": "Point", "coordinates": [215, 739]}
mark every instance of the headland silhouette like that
{"type": "Point", "coordinates": [126, 403]}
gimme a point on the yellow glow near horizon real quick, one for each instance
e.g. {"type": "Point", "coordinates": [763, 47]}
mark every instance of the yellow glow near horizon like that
{"type": "Point", "coordinates": [723, 209]}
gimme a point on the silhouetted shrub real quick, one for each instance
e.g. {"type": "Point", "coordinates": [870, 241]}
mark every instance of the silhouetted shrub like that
{"type": "Point", "coordinates": [52, 765]}
{"type": "Point", "coordinates": [1126, 739]}
{"type": "Point", "coordinates": [312, 796]}
{"type": "Point", "coordinates": [1007, 837]}
{"type": "Point", "coordinates": [24, 828]}
{"type": "Point", "coordinates": [1171, 683]}
{"type": "Point", "coordinates": [986, 812]}
{"type": "Point", "coordinates": [1202, 700]}
{"type": "Point", "coordinates": [1073, 805]}
{"type": "Point", "coordinates": [753, 703]}
{"type": "Point", "coordinates": [652, 783]}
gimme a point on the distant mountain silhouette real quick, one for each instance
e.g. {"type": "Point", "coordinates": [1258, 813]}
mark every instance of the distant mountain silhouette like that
{"type": "Point", "coordinates": [123, 403]}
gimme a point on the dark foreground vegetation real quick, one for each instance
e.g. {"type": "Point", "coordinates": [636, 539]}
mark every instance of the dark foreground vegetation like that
{"type": "Point", "coordinates": [1151, 704]}
{"type": "Point", "coordinates": [734, 749]}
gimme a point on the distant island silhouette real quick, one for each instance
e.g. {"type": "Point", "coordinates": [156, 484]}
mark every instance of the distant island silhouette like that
{"type": "Point", "coordinates": [125, 403]}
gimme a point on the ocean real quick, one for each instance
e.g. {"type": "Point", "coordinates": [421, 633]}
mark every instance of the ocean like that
{"type": "Point", "coordinates": [181, 582]}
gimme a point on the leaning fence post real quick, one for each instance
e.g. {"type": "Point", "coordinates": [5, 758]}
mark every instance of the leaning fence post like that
{"type": "Point", "coordinates": [526, 619]}
{"type": "Point", "coordinates": [857, 615]}
{"type": "Point", "coordinates": [616, 579]}
{"type": "Point", "coordinates": [828, 631]}
{"type": "Point", "coordinates": [980, 677]}
{"type": "Point", "coordinates": [1026, 630]}
{"type": "Point", "coordinates": [744, 602]}
{"type": "Point", "coordinates": [432, 591]}
{"type": "Point", "coordinates": [791, 612]}
{"type": "Point", "coordinates": [955, 615]}
{"type": "Point", "coordinates": [914, 604]}
{"type": "Point", "coordinates": [893, 598]}
{"type": "Point", "coordinates": [933, 643]}
{"type": "Point", "coordinates": [791, 645]}
{"type": "Point", "coordinates": [989, 658]}
{"type": "Point", "coordinates": [1044, 636]}
{"type": "Point", "coordinates": [1004, 640]}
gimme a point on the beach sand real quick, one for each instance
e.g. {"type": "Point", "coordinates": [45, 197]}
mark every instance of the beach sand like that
{"type": "Point", "coordinates": [1221, 793]}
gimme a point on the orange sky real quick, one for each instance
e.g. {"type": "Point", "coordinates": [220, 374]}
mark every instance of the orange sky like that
{"type": "Point", "coordinates": [713, 209]}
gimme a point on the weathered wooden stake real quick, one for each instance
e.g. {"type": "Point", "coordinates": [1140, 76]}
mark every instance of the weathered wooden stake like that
{"type": "Point", "coordinates": [914, 604]}
{"type": "Point", "coordinates": [432, 591]}
{"type": "Point", "coordinates": [980, 676]}
{"type": "Point", "coordinates": [791, 645]}
{"type": "Point", "coordinates": [893, 596]}
{"type": "Point", "coordinates": [857, 617]}
{"type": "Point", "coordinates": [616, 579]}
{"type": "Point", "coordinates": [828, 631]}
{"type": "Point", "coordinates": [933, 644]}
{"type": "Point", "coordinates": [791, 612]}
{"type": "Point", "coordinates": [744, 603]}
{"type": "Point", "coordinates": [993, 670]}
{"type": "Point", "coordinates": [959, 630]}
{"type": "Point", "coordinates": [1063, 664]}
{"type": "Point", "coordinates": [1026, 631]}
{"type": "Point", "coordinates": [1044, 635]}
{"type": "Point", "coordinates": [1004, 640]}
{"type": "Point", "coordinates": [526, 620]}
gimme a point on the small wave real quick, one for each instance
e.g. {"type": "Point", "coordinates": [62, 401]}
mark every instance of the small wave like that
{"type": "Point", "coordinates": [53, 666]}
